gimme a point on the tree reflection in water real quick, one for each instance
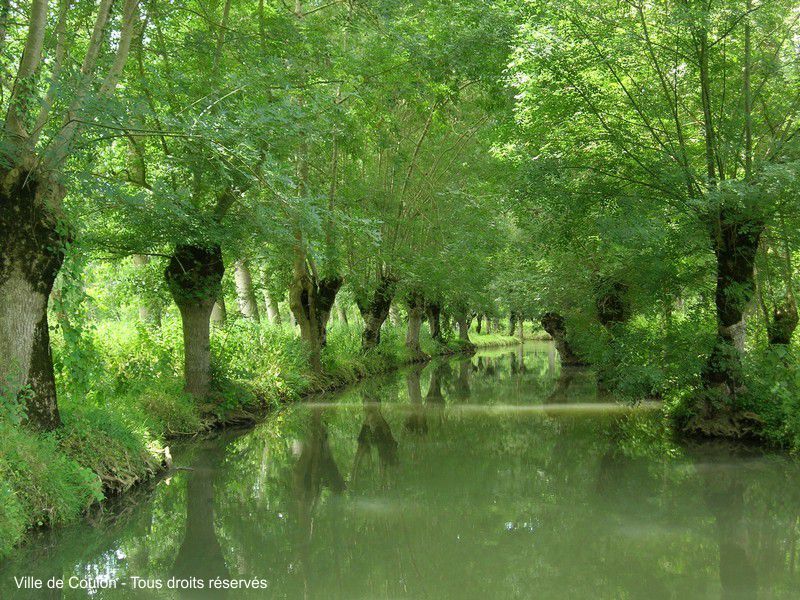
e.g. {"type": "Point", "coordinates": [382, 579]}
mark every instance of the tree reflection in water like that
{"type": "Point", "coordinates": [375, 434]}
{"type": "Point", "coordinates": [525, 491]}
{"type": "Point", "coordinates": [417, 420]}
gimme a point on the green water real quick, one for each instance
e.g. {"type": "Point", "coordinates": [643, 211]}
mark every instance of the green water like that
{"type": "Point", "coordinates": [502, 476]}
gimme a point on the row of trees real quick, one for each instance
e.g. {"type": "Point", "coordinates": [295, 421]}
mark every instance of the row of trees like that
{"type": "Point", "coordinates": [659, 155]}
{"type": "Point", "coordinates": [328, 144]}
{"type": "Point", "coordinates": [598, 164]}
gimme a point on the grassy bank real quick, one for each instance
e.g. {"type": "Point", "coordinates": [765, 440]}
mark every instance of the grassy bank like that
{"type": "Point", "coordinates": [122, 401]}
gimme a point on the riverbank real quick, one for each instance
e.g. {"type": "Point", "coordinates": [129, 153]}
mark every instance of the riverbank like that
{"type": "Point", "coordinates": [116, 433]}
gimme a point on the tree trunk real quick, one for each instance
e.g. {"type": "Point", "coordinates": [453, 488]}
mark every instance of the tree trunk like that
{"type": "Point", "coordinates": [245, 295]}
{"type": "Point", "coordinates": [415, 313]}
{"type": "Point", "coordinates": [376, 311]}
{"type": "Point", "coordinates": [219, 314]}
{"type": "Point", "coordinates": [31, 255]}
{"type": "Point", "coordinates": [735, 245]}
{"type": "Point", "coordinates": [479, 324]}
{"type": "Point", "coordinates": [521, 325]}
{"type": "Point", "coordinates": [273, 312]}
{"type": "Point", "coordinates": [434, 311]}
{"type": "Point", "coordinates": [194, 276]}
{"type": "Point", "coordinates": [311, 301]}
{"type": "Point", "coordinates": [512, 323]}
{"type": "Point", "coordinates": [463, 320]}
{"type": "Point", "coordinates": [554, 324]}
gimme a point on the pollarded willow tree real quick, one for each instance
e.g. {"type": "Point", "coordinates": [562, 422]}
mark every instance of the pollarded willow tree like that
{"type": "Point", "coordinates": [426, 126]}
{"type": "Point", "coordinates": [64, 77]}
{"type": "Point", "coordinates": [693, 105]}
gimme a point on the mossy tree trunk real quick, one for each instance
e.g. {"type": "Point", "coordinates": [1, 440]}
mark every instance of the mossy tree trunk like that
{"type": "Point", "coordinates": [736, 240]}
{"type": "Point", "coordinates": [554, 324]}
{"type": "Point", "coordinates": [311, 300]}
{"type": "Point", "coordinates": [32, 252]}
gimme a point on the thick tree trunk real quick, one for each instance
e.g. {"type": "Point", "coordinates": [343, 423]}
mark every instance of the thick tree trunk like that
{"type": "Point", "coordinates": [434, 311]}
{"type": "Point", "coordinates": [311, 302]}
{"type": "Point", "coordinates": [554, 324]}
{"type": "Point", "coordinates": [245, 295]}
{"type": "Point", "coordinates": [31, 255]}
{"type": "Point", "coordinates": [736, 238]}
{"type": "Point", "coordinates": [219, 314]}
{"type": "Point", "coordinates": [735, 245]}
{"type": "Point", "coordinates": [194, 276]}
{"type": "Point", "coordinates": [376, 311]}
{"type": "Point", "coordinates": [463, 320]}
{"type": "Point", "coordinates": [512, 323]}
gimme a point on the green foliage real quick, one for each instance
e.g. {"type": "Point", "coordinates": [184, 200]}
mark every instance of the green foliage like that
{"type": "Point", "coordinates": [773, 393]}
{"type": "Point", "coordinates": [44, 486]}
{"type": "Point", "coordinates": [115, 436]}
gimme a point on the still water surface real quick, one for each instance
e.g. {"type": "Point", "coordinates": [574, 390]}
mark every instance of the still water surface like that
{"type": "Point", "coordinates": [503, 476]}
